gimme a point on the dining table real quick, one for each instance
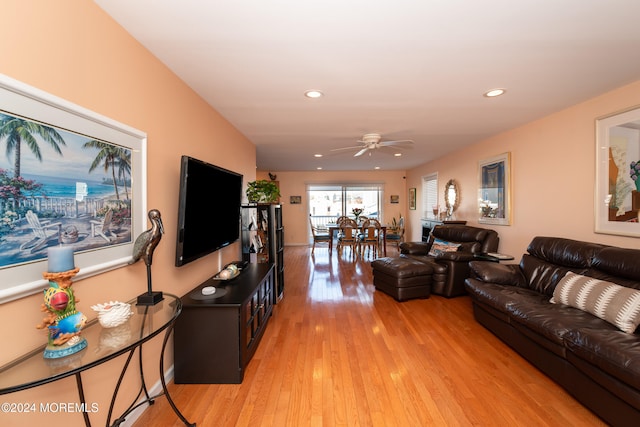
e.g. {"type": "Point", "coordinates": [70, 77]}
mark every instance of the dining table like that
{"type": "Point", "coordinates": [333, 227]}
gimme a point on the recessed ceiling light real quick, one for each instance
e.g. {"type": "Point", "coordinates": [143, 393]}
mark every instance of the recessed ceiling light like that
{"type": "Point", "coordinates": [398, 154]}
{"type": "Point", "coordinates": [377, 167]}
{"type": "Point", "coordinates": [312, 93]}
{"type": "Point", "coordinates": [319, 168]}
{"type": "Point", "coordinates": [317, 155]}
{"type": "Point", "coordinates": [494, 92]}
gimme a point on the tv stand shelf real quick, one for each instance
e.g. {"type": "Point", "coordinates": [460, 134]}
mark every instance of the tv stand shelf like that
{"type": "Point", "coordinates": [263, 239]}
{"type": "Point", "coordinates": [216, 337]}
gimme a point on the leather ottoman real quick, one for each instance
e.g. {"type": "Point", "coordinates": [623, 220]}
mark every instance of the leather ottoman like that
{"type": "Point", "coordinates": [401, 277]}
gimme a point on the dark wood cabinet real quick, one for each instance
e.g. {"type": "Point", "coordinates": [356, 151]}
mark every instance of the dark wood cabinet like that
{"type": "Point", "coordinates": [216, 336]}
{"type": "Point", "coordinates": [263, 239]}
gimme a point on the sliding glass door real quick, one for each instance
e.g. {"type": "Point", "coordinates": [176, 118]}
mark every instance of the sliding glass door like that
{"type": "Point", "coordinates": [328, 202]}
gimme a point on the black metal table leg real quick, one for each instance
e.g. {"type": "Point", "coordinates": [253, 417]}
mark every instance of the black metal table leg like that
{"type": "Point", "coordinates": [85, 414]}
{"type": "Point", "coordinates": [164, 385]}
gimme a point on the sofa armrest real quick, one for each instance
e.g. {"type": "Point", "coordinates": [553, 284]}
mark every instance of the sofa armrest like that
{"type": "Point", "coordinates": [502, 274]}
{"type": "Point", "coordinates": [415, 248]}
{"type": "Point", "coordinates": [455, 256]}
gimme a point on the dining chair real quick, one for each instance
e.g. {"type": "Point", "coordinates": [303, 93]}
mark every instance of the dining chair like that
{"type": "Point", "coordinates": [370, 236]}
{"type": "Point", "coordinates": [319, 235]}
{"type": "Point", "coordinates": [348, 237]}
{"type": "Point", "coordinates": [341, 219]}
{"type": "Point", "coordinates": [395, 236]}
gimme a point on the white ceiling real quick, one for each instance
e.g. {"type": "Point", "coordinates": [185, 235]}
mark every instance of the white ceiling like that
{"type": "Point", "coordinates": [408, 69]}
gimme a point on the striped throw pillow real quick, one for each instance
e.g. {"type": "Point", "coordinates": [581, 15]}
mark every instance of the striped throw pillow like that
{"type": "Point", "coordinates": [616, 304]}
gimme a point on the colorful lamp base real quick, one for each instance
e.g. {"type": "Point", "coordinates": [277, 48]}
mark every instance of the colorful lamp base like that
{"type": "Point", "coordinates": [71, 347]}
{"type": "Point", "coordinates": [63, 321]}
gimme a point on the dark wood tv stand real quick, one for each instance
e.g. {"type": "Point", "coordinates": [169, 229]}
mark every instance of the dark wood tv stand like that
{"type": "Point", "coordinates": [215, 337]}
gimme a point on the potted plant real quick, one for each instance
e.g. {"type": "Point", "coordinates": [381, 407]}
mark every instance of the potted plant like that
{"type": "Point", "coordinates": [262, 191]}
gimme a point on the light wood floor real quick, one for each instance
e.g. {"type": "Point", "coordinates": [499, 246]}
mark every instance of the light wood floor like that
{"type": "Point", "coordinates": [338, 353]}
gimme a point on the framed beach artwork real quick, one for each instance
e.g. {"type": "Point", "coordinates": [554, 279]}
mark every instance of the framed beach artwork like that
{"type": "Point", "coordinates": [68, 176]}
{"type": "Point", "coordinates": [617, 192]}
{"type": "Point", "coordinates": [494, 198]}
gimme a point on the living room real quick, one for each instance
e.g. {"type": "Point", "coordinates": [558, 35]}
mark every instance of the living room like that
{"type": "Point", "coordinates": [73, 50]}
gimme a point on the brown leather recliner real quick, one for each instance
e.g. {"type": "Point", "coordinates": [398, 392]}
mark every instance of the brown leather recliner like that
{"type": "Point", "coordinates": [450, 269]}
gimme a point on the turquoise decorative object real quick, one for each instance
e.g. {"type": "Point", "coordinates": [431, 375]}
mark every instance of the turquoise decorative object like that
{"type": "Point", "coordinates": [63, 322]}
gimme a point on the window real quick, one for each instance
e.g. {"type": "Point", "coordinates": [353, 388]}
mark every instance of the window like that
{"type": "Point", "coordinates": [429, 195]}
{"type": "Point", "coordinates": [328, 202]}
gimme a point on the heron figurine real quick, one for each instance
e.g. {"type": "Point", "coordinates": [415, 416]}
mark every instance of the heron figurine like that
{"type": "Point", "coordinates": [143, 249]}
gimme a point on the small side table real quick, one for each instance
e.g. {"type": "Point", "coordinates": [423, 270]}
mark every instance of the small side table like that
{"type": "Point", "coordinates": [493, 257]}
{"type": "Point", "coordinates": [32, 370]}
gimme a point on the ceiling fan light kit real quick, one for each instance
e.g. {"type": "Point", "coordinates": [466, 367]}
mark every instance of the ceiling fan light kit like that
{"type": "Point", "coordinates": [371, 138]}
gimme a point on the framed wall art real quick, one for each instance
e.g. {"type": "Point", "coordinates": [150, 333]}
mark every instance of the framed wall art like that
{"type": "Point", "coordinates": [412, 199]}
{"type": "Point", "coordinates": [617, 192]}
{"type": "Point", "coordinates": [69, 177]}
{"type": "Point", "coordinates": [295, 200]}
{"type": "Point", "coordinates": [394, 198]}
{"type": "Point", "coordinates": [494, 183]}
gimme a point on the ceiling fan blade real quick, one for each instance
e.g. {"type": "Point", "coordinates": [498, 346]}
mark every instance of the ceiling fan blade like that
{"type": "Point", "coordinates": [398, 142]}
{"type": "Point", "coordinates": [347, 148]}
{"type": "Point", "coordinates": [394, 148]}
{"type": "Point", "coordinates": [361, 152]}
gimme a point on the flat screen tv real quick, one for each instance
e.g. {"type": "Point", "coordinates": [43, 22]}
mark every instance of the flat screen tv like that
{"type": "Point", "coordinates": [208, 210]}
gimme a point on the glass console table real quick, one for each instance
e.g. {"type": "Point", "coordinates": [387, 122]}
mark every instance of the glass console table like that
{"type": "Point", "coordinates": [32, 369]}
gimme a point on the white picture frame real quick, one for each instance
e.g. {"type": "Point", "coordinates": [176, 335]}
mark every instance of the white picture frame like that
{"type": "Point", "coordinates": [494, 190]}
{"type": "Point", "coordinates": [29, 103]}
{"type": "Point", "coordinates": [617, 194]}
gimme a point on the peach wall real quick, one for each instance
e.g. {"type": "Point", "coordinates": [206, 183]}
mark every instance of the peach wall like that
{"type": "Point", "coordinates": [73, 50]}
{"type": "Point", "coordinates": [553, 175]}
{"type": "Point", "coordinates": [296, 217]}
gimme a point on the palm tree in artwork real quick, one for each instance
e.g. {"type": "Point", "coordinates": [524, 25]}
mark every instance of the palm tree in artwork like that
{"type": "Point", "coordinates": [109, 157]}
{"type": "Point", "coordinates": [124, 169]}
{"type": "Point", "coordinates": [16, 131]}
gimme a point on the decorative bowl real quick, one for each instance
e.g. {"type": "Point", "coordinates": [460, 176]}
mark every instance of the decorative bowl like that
{"type": "Point", "coordinates": [112, 313]}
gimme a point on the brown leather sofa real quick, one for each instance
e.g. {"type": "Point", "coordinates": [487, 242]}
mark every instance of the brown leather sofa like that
{"type": "Point", "coordinates": [450, 269]}
{"type": "Point", "coordinates": [593, 359]}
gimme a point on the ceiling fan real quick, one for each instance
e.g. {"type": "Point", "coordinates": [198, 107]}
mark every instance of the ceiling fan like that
{"type": "Point", "coordinates": [373, 141]}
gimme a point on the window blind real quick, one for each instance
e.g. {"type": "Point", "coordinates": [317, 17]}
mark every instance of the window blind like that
{"type": "Point", "coordinates": [429, 194]}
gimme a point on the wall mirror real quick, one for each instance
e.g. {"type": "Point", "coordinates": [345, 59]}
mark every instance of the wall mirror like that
{"type": "Point", "coordinates": [451, 196]}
